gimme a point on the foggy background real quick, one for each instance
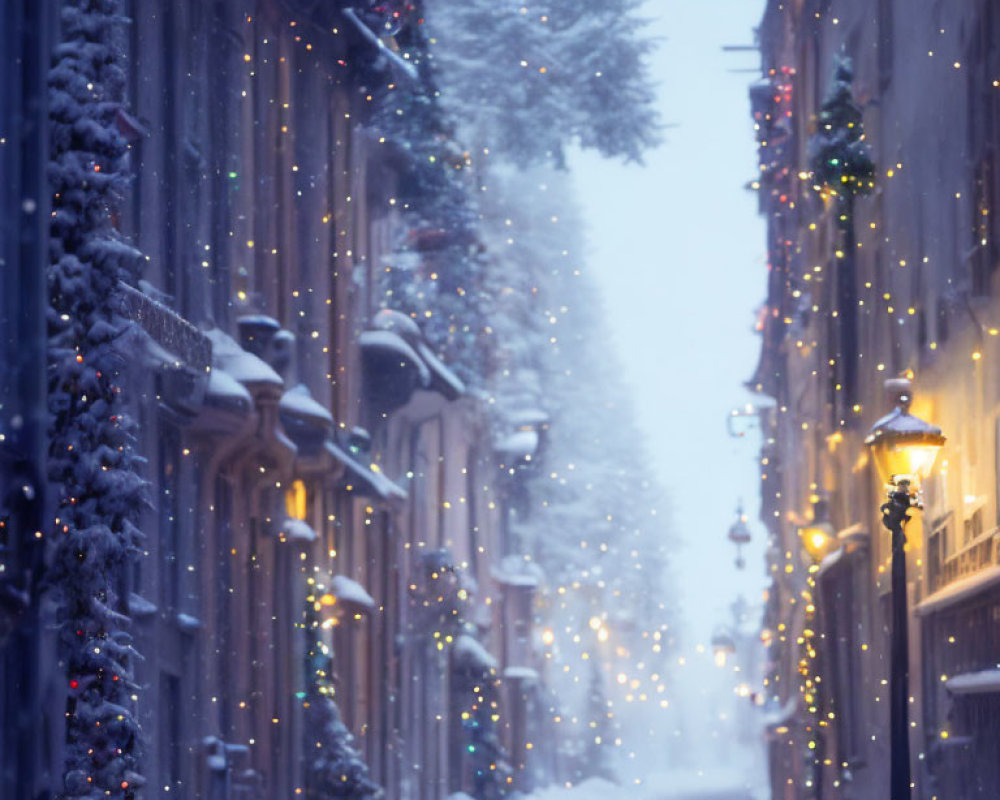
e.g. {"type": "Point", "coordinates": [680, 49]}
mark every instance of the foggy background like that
{"type": "Point", "coordinates": [678, 253]}
{"type": "Point", "coordinates": [677, 250]}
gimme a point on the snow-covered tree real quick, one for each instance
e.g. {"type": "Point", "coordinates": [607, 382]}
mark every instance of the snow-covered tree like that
{"type": "Point", "coordinates": [498, 82]}
{"type": "Point", "coordinates": [335, 768]}
{"type": "Point", "coordinates": [843, 170]}
{"type": "Point", "coordinates": [839, 156]}
{"type": "Point", "coordinates": [531, 78]}
{"type": "Point", "coordinates": [598, 761]}
{"type": "Point", "coordinates": [436, 276]}
{"type": "Point", "coordinates": [91, 457]}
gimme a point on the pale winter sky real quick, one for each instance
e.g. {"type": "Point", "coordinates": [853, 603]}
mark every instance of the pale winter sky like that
{"type": "Point", "coordinates": [677, 250]}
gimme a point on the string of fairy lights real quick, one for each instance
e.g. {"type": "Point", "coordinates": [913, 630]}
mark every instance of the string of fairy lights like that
{"type": "Point", "coordinates": [574, 629]}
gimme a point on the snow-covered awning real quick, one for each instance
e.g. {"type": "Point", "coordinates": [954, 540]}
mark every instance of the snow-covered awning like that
{"type": "Point", "coordinates": [366, 479]}
{"type": "Point", "coordinates": [348, 591]}
{"type": "Point", "coordinates": [519, 444]}
{"type": "Point", "coordinates": [224, 390]}
{"type": "Point", "coordinates": [515, 579]}
{"type": "Point", "coordinates": [983, 682]}
{"type": "Point", "coordinates": [393, 346]}
{"type": "Point", "coordinates": [515, 571]}
{"type": "Point", "coordinates": [244, 367]}
{"type": "Point", "coordinates": [299, 402]}
{"type": "Point", "coordinates": [470, 653]}
{"type": "Point", "coordinates": [521, 674]}
{"type": "Point", "coordinates": [296, 530]}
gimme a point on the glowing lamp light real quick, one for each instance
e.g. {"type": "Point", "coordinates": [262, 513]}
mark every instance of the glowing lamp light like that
{"type": "Point", "coordinates": [722, 647]}
{"type": "Point", "coordinates": [817, 539]}
{"type": "Point", "coordinates": [295, 500]}
{"type": "Point", "coordinates": [818, 536]}
{"type": "Point", "coordinates": [903, 446]}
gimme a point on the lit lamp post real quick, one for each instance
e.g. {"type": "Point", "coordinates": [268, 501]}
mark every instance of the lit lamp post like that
{"type": "Point", "coordinates": [904, 449]}
{"type": "Point", "coordinates": [739, 534]}
{"type": "Point", "coordinates": [723, 646]}
{"type": "Point", "coordinates": [818, 535]}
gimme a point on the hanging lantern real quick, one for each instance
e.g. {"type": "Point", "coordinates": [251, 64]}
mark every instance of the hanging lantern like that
{"type": "Point", "coordinates": [739, 534]}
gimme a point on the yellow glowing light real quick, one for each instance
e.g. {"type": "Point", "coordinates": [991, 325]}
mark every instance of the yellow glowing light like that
{"type": "Point", "coordinates": [295, 500]}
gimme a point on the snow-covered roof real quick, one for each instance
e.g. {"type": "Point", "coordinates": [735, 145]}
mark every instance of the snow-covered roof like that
{"type": "Point", "coordinates": [987, 680]}
{"type": "Point", "coordinates": [959, 590]}
{"type": "Point", "coordinates": [519, 443]}
{"type": "Point", "coordinates": [298, 530]}
{"type": "Point", "coordinates": [472, 653]}
{"type": "Point", "coordinates": [900, 421]}
{"type": "Point", "coordinates": [299, 402]}
{"type": "Point", "coordinates": [243, 366]}
{"type": "Point", "coordinates": [393, 343]}
{"type": "Point", "coordinates": [348, 590]}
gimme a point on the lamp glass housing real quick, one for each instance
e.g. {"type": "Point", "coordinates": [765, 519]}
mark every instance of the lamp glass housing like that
{"type": "Point", "coordinates": [904, 445]}
{"type": "Point", "coordinates": [909, 454]}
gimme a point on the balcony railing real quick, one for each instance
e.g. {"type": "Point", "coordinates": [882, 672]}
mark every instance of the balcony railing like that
{"type": "Point", "coordinates": [981, 552]}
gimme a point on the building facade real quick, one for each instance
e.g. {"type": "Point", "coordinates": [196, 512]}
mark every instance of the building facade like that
{"type": "Point", "coordinates": [328, 500]}
{"type": "Point", "coordinates": [900, 282]}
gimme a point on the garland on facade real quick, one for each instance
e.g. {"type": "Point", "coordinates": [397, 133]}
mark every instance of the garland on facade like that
{"type": "Point", "coordinates": [437, 276]}
{"type": "Point", "coordinates": [92, 463]}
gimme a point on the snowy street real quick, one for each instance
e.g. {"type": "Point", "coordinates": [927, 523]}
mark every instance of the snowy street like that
{"type": "Point", "coordinates": [675, 786]}
{"type": "Point", "coordinates": [499, 400]}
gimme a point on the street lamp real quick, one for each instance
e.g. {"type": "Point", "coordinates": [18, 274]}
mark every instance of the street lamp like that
{"type": "Point", "coordinates": [723, 646]}
{"type": "Point", "coordinates": [739, 534]}
{"type": "Point", "coordinates": [818, 535]}
{"type": "Point", "coordinates": [904, 449]}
